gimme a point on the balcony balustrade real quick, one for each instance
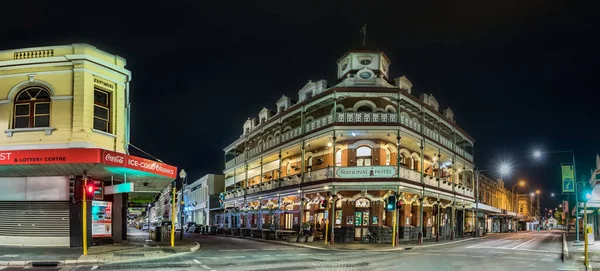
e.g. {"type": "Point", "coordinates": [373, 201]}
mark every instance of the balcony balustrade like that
{"type": "Point", "coordinates": [349, 117]}
{"type": "Point", "coordinates": [328, 173]}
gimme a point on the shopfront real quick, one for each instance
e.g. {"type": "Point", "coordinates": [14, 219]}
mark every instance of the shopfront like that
{"type": "Point", "coordinates": [41, 202]}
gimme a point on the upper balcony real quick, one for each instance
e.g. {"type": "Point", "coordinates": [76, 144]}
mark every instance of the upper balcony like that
{"type": "Point", "coordinates": [352, 118]}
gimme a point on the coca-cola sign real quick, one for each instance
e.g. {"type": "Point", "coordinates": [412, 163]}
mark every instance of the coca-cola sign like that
{"type": "Point", "coordinates": [113, 158]}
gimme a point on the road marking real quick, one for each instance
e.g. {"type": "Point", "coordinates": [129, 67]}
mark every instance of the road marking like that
{"type": "Point", "coordinates": [304, 254]}
{"type": "Point", "coordinates": [10, 255]}
{"type": "Point", "coordinates": [205, 266]}
{"type": "Point", "coordinates": [462, 255]}
{"type": "Point", "coordinates": [228, 250]}
{"type": "Point", "coordinates": [94, 267]}
{"type": "Point", "coordinates": [281, 255]}
{"type": "Point", "coordinates": [432, 254]}
{"type": "Point", "coordinates": [207, 257]}
{"type": "Point", "coordinates": [497, 240]}
{"type": "Point", "coordinates": [411, 253]}
{"type": "Point", "coordinates": [234, 257]}
{"type": "Point", "coordinates": [478, 256]}
{"type": "Point", "coordinates": [342, 253]}
{"type": "Point", "coordinates": [249, 249]}
{"type": "Point", "coordinates": [269, 249]}
{"type": "Point", "coordinates": [198, 262]}
{"type": "Point", "coordinates": [548, 260]}
{"type": "Point", "coordinates": [522, 249]}
{"type": "Point", "coordinates": [524, 243]}
{"type": "Point", "coordinates": [263, 256]}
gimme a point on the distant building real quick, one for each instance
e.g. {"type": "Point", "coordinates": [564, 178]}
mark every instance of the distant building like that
{"type": "Point", "coordinates": [203, 199]}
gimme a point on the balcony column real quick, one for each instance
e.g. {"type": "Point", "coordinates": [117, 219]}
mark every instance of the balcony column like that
{"type": "Point", "coordinates": [438, 218]}
{"type": "Point", "coordinates": [234, 182]}
{"type": "Point", "coordinates": [334, 115]}
{"type": "Point", "coordinates": [302, 172]}
{"type": "Point", "coordinates": [332, 215]}
{"type": "Point", "coordinates": [334, 138]}
{"type": "Point", "coordinates": [453, 221]}
{"type": "Point", "coordinates": [261, 173]}
{"type": "Point", "coordinates": [398, 156]}
{"type": "Point", "coordinates": [439, 164]}
{"type": "Point", "coordinates": [246, 183]}
{"type": "Point", "coordinates": [462, 232]}
{"type": "Point", "coordinates": [422, 191]}
{"type": "Point", "coordinates": [279, 170]}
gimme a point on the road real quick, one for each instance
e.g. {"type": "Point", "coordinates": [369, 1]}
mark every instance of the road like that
{"type": "Point", "coordinates": [509, 251]}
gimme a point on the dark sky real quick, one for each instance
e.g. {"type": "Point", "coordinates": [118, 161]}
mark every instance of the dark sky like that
{"type": "Point", "coordinates": [518, 74]}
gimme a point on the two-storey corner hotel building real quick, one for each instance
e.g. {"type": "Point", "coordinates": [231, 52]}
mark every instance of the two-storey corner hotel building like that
{"type": "Point", "coordinates": [352, 144]}
{"type": "Point", "coordinates": [64, 114]}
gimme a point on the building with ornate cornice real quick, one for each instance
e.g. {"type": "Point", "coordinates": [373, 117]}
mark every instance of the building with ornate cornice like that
{"type": "Point", "coordinates": [337, 153]}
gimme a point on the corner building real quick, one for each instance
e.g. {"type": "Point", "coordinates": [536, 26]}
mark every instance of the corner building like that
{"type": "Point", "coordinates": [64, 113]}
{"type": "Point", "coordinates": [352, 144]}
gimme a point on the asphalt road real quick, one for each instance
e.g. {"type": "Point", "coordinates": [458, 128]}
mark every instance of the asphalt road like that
{"type": "Point", "coordinates": [510, 251]}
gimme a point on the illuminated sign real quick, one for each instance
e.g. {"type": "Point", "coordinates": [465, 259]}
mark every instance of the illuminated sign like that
{"type": "Point", "coordinates": [366, 172]}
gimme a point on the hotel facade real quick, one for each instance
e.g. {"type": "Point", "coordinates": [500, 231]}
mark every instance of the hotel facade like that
{"type": "Point", "coordinates": [336, 154]}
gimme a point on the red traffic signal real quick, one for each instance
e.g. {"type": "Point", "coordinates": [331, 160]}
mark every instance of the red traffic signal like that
{"type": "Point", "coordinates": [90, 190]}
{"type": "Point", "coordinates": [398, 204]}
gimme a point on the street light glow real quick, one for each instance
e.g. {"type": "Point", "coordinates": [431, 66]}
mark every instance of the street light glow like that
{"type": "Point", "coordinates": [505, 169]}
{"type": "Point", "coordinates": [537, 154]}
{"type": "Point", "coordinates": [532, 194]}
{"type": "Point", "coordinates": [522, 182]}
{"type": "Point", "coordinates": [537, 191]}
{"type": "Point", "coordinates": [552, 194]}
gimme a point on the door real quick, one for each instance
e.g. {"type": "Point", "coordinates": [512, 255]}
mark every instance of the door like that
{"type": "Point", "coordinates": [361, 224]}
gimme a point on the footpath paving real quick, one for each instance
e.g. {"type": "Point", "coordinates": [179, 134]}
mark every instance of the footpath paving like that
{"type": "Point", "coordinates": [576, 251]}
{"type": "Point", "coordinates": [136, 248]}
{"type": "Point", "coordinates": [358, 246]}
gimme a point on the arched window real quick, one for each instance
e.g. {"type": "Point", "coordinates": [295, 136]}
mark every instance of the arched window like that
{"type": "Point", "coordinates": [364, 108]}
{"type": "Point", "coordinates": [309, 163]}
{"type": "Point", "coordinates": [363, 156]}
{"type": "Point", "coordinates": [388, 157]}
{"type": "Point", "coordinates": [32, 108]}
{"type": "Point", "coordinates": [338, 158]}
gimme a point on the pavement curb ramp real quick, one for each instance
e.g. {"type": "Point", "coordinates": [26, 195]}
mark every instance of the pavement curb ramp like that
{"type": "Point", "coordinates": [88, 262]}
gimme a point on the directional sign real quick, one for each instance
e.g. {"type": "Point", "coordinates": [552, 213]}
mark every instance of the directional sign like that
{"type": "Point", "coordinates": [568, 179]}
{"type": "Point", "coordinates": [326, 215]}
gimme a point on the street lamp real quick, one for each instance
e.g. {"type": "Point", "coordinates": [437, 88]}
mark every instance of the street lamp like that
{"type": "Point", "coordinates": [512, 198]}
{"type": "Point", "coordinates": [552, 194]}
{"type": "Point", "coordinates": [504, 169]}
{"type": "Point", "coordinates": [182, 176]}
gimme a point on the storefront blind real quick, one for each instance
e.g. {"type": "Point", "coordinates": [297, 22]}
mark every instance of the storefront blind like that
{"type": "Point", "coordinates": [34, 218]}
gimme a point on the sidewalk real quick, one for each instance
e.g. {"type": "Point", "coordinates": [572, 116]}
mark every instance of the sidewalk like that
{"type": "Point", "coordinates": [402, 245]}
{"type": "Point", "coordinates": [135, 248]}
{"type": "Point", "coordinates": [576, 251]}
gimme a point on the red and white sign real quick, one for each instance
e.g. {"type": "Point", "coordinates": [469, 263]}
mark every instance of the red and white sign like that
{"type": "Point", "coordinates": [86, 156]}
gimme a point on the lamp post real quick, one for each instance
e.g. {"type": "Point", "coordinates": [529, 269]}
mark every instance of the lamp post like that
{"type": "Point", "coordinates": [538, 154]}
{"type": "Point", "coordinates": [512, 197]}
{"type": "Point", "coordinates": [182, 176]}
{"type": "Point", "coordinates": [504, 169]}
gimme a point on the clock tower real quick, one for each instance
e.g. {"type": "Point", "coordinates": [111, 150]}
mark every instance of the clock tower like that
{"type": "Point", "coordinates": [363, 67]}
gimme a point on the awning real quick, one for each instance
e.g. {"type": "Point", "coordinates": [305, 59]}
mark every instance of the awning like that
{"type": "Point", "coordinates": [149, 177]}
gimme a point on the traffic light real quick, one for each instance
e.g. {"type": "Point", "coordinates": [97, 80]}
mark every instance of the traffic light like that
{"type": "Point", "coordinates": [398, 204]}
{"type": "Point", "coordinates": [90, 190]}
{"type": "Point", "coordinates": [585, 192]}
{"type": "Point", "coordinates": [324, 203]}
{"type": "Point", "coordinates": [391, 203]}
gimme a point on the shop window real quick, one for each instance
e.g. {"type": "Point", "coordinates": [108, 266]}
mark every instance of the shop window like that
{"type": "Point", "coordinates": [101, 110]}
{"type": "Point", "coordinates": [338, 217]}
{"type": "Point", "coordinates": [363, 156]}
{"type": "Point", "coordinates": [32, 108]}
{"type": "Point", "coordinates": [288, 221]}
{"type": "Point", "coordinates": [309, 163]}
{"type": "Point", "coordinates": [338, 158]}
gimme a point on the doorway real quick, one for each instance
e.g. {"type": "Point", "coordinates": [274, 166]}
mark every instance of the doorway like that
{"type": "Point", "coordinates": [361, 223]}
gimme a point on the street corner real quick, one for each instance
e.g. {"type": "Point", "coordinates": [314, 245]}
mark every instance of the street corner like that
{"type": "Point", "coordinates": [195, 247]}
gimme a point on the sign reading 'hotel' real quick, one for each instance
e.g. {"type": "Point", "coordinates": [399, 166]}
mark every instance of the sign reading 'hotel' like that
{"type": "Point", "coordinates": [366, 172]}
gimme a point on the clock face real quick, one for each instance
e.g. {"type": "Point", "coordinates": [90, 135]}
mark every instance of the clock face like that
{"type": "Point", "coordinates": [365, 75]}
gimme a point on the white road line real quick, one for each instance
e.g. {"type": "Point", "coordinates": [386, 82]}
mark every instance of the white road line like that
{"type": "Point", "coordinates": [462, 255]}
{"type": "Point", "coordinates": [432, 254]}
{"type": "Point", "coordinates": [524, 243]}
{"type": "Point", "coordinates": [248, 249]}
{"type": "Point", "coordinates": [548, 260]}
{"type": "Point", "coordinates": [94, 267]}
{"type": "Point", "coordinates": [228, 250]}
{"type": "Point", "coordinates": [234, 257]}
{"type": "Point", "coordinates": [303, 254]}
{"type": "Point", "coordinates": [263, 256]}
{"type": "Point", "coordinates": [281, 255]}
{"type": "Point", "coordinates": [269, 249]}
{"type": "Point", "coordinates": [496, 241]}
{"type": "Point", "coordinates": [411, 253]}
{"type": "Point", "coordinates": [523, 249]}
{"type": "Point", "coordinates": [196, 261]}
{"type": "Point", "coordinates": [342, 253]}
{"type": "Point", "coordinates": [205, 266]}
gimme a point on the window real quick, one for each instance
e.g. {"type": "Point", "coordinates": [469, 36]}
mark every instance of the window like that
{"type": "Point", "coordinates": [101, 110]}
{"type": "Point", "coordinates": [364, 108]}
{"type": "Point", "coordinates": [309, 163]}
{"type": "Point", "coordinates": [32, 108]}
{"type": "Point", "coordinates": [363, 156]}
{"type": "Point", "coordinates": [308, 95]}
{"type": "Point", "coordinates": [388, 157]}
{"type": "Point", "coordinates": [365, 61]}
{"type": "Point", "coordinates": [338, 158]}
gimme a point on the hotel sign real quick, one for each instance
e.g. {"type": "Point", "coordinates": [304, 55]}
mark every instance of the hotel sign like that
{"type": "Point", "coordinates": [103, 83]}
{"type": "Point", "coordinates": [366, 172]}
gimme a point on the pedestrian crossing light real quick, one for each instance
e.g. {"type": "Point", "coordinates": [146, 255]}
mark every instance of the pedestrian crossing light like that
{"type": "Point", "coordinates": [324, 204]}
{"type": "Point", "coordinates": [89, 191]}
{"type": "Point", "coordinates": [585, 192]}
{"type": "Point", "coordinates": [391, 203]}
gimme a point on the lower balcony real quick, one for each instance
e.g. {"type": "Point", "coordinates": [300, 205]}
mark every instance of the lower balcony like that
{"type": "Point", "coordinates": [368, 172]}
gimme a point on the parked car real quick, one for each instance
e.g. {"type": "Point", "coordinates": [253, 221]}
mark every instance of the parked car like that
{"type": "Point", "coordinates": [145, 227]}
{"type": "Point", "coordinates": [187, 227]}
{"type": "Point", "coordinates": [196, 228]}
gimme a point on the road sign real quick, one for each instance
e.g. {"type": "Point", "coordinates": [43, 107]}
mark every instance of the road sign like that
{"type": "Point", "coordinates": [568, 180]}
{"type": "Point", "coordinates": [326, 215]}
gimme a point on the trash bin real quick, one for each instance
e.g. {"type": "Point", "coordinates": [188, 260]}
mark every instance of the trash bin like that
{"type": "Point", "coordinates": [158, 233]}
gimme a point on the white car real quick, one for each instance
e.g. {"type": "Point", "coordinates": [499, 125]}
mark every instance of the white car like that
{"type": "Point", "coordinates": [145, 227]}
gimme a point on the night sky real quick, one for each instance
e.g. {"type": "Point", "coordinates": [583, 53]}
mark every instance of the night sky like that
{"type": "Point", "coordinates": [518, 74]}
